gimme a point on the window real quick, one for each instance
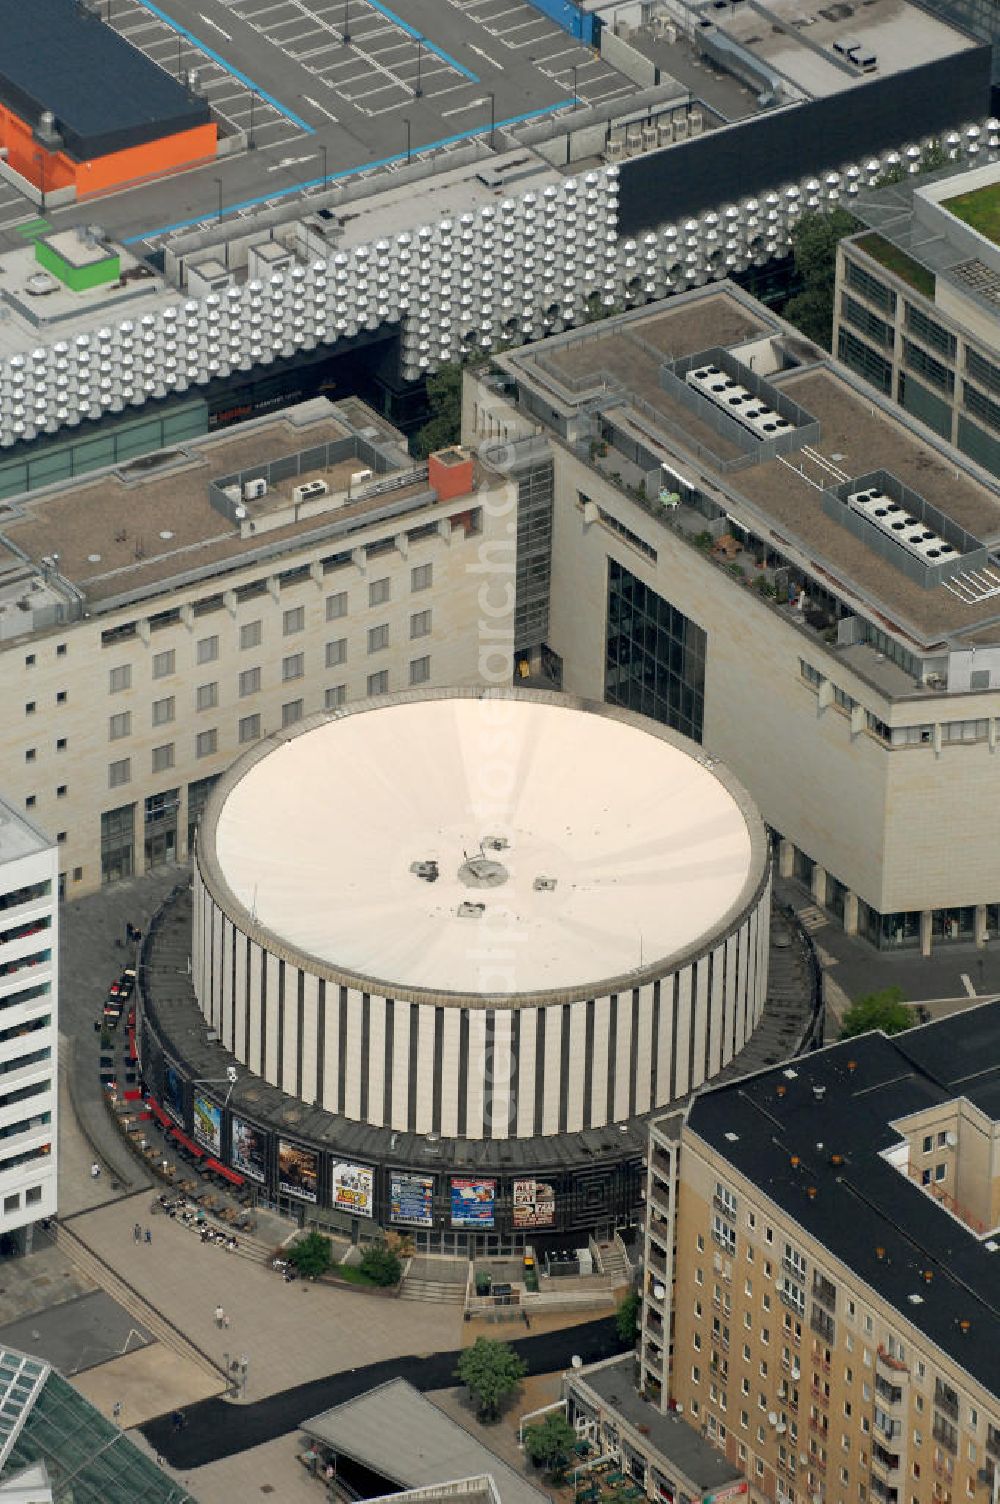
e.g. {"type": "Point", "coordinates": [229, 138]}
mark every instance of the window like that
{"type": "Point", "coordinates": [940, 1171]}
{"type": "Point", "coordinates": [163, 711]}
{"type": "Point", "coordinates": [336, 652]}
{"type": "Point", "coordinates": [251, 633]}
{"type": "Point", "coordinates": [420, 670]}
{"type": "Point", "coordinates": [942, 1139]}
{"type": "Point", "coordinates": [422, 577]}
{"type": "Point", "coordinates": [61, 650]}
{"type": "Point", "coordinates": [163, 757]}
{"type": "Point", "coordinates": [810, 675]}
{"type": "Point", "coordinates": [654, 655]}
{"type": "Point", "coordinates": [336, 606]}
{"type": "Point", "coordinates": [30, 802]}
{"type": "Point", "coordinates": [30, 754]}
{"type": "Point", "coordinates": [205, 743]}
{"type": "Point", "coordinates": [12, 1203]}
{"type": "Point", "coordinates": [61, 791]}
{"type": "Point", "coordinates": [207, 696]}
{"type": "Point", "coordinates": [378, 638]}
{"type": "Point", "coordinates": [61, 697]}
{"type": "Point", "coordinates": [379, 591]}
{"type": "Point", "coordinates": [863, 359]}
{"type": "Point", "coordinates": [163, 664]}
{"type": "Point", "coordinates": [928, 1143]}
{"type": "Point", "coordinates": [294, 620]}
{"type": "Point", "coordinates": [723, 1233]}
{"type": "Point", "coordinates": [420, 624]}
{"type": "Point", "coordinates": [335, 697]}
{"type": "Point", "coordinates": [293, 667]}
{"type": "Point", "coordinates": [29, 709]}
{"type": "Point", "coordinates": [249, 681]}
{"type": "Point", "coordinates": [119, 772]}
{"type": "Point", "coordinates": [291, 712]}
{"type": "Point", "coordinates": [249, 728]}
{"type": "Point", "coordinates": [29, 661]}
{"type": "Point", "coordinates": [378, 684]}
{"type": "Point", "coordinates": [33, 1195]}
{"type": "Point", "coordinates": [870, 287]}
{"type": "Point", "coordinates": [208, 649]}
{"type": "Point", "coordinates": [61, 744]}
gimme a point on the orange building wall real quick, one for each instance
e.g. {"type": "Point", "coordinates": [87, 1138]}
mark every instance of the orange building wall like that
{"type": "Point", "coordinates": [101, 174]}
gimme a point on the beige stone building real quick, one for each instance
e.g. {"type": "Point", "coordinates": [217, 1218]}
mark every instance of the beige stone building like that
{"type": "Point", "coordinates": [157, 618]}
{"type": "Point", "coordinates": [726, 579]}
{"type": "Point", "coordinates": [833, 1317]}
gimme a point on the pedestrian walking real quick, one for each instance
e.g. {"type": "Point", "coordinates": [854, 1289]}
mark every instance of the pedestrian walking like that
{"type": "Point", "coordinates": [116, 1410]}
{"type": "Point", "coordinates": [95, 1171]}
{"type": "Point", "coordinates": [179, 1420]}
{"type": "Point", "coordinates": [137, 1233]}
{"type": "Point", "coordinates": [225, 1322]}
{"type": "Point", "coordinates": [220, 1316]}
{"type": "Point", "coordinates": [149, 1235]}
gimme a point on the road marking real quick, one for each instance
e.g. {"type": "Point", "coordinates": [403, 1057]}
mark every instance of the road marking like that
{"type": "Point", "coordinates": [473, 104]}
{"type": "Point", "coordinates": [288, 162]}
{"type": "Point", "coordinates": [967, 984]}
{"type": "Point", "coordinates": [485, 56]}
{"type": "Point", "coordinates": [215, 26]}
{"type": "Point", "coordinates": [317, 106]}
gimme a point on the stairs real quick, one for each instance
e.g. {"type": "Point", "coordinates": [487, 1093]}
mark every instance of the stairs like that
{"type": "Point", "coordinates": [437, 1291]}
{"type": "Point", "coordinates": [130, 1299]}
{"type": "Point", "coordinates": [611, 1261]}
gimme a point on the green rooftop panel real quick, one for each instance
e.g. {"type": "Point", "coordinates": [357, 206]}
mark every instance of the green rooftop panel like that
{"type": "Point", "coordinates": [79, 264]}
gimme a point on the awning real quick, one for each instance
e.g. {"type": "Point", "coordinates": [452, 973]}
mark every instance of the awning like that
{"type": "Point", "coordinates": [160, 1115]}
{"type": "Point", "coordinates": [183, 1139]}
{"type": "Point", "coordinates": [133, 1095]}
{"type": "Point", "coordinates": [224, 1170]}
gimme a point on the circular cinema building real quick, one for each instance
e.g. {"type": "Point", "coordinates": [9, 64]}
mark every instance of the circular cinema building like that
{"type": "Point", "coordinates": [458, 946]}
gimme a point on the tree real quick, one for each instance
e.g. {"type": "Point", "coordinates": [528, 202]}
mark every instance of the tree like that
{"type": "Point", "coordinates": [311, 1255]}
{"type": "Point", "coordinates": [444, 426]}
{"type": "Point", "coordinates": [550, 1444]}
{"type": "Point", "coordinates": [381, 1264]}
{"type": "Point", "coordinates": [490, 1371]}
{"type": "Point", "coordinates": [814, 247]}
{"type": "Point", "coordinates": [885, 1010]}
{"type": "Point", "coordinates": [627, 1316]}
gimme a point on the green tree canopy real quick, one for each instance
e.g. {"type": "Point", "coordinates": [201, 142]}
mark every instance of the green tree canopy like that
{"type": "Point", "coordinates": [885, 1010]}
{"type": "Point", "coordinates": [381, 1264]}
{"type": "Point", "coordinates": [490, 1371]}
{"type": "Point", "coordinates": [311, 1255]}
{"type": "Point", "coordinates": [444, 426]}
{"type": "Point", "coordinates": [550, 1443]}
{"type": "Point", "coordinates": [814, 247]}
{"type": "Point", "coordinates": [628, 1315]}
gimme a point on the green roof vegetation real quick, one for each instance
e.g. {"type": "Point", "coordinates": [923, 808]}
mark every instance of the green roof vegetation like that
{"type": "Point", "coordinates": [980, 209]}
{"type": "Point", "coordinates": [895, 260]}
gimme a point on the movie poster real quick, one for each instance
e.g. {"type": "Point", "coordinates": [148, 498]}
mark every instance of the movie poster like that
{"type": "Point", "coordinates": [534, 1204]}
{"type": "Point", "coordinates": [472, 1202]}
{"type": "Point", "coordinates": [352, 1189]}
{"type": "Point", "coordinates": [208, 1125]}
{"type": "Point", "coordinates": [249, 1154]}
{"type": "Point", "coordinates": [298, 1170]}
{"type": "Point", "coordinates": [173, 1093]}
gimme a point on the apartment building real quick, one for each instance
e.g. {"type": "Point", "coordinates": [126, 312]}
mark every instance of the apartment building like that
{"type": "Point", "coordinates": [157, 617]}
{"type": "Point", "coordinates": [29, 1026]}
{"type": "Point", "coordinates": [740, 578]}
{"type": "Point", "coordinates": [918, 304]}
{"type": "Point", "coordinates": [834, 1312]}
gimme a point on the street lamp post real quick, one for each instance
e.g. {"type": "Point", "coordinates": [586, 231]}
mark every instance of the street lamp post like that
{"type": "Point", "coordinates": [576, 97]}
{"type": "Point", "coordinates": [347, 23]}
{"type": "Point", "coordinates": [420, 49]}
{"type": "Point", "coordinates": [179, 44]}
{"type": "Point", "coordinates": [322, 148]}
{"type": "Point", "coordinates": [493, 120]}
{"type": "Point", "coordinates": [408, 140]}
{"type": "Point", "coordinates": [251, 143]}
{"type": "Point", "coordinates": [218, 184]}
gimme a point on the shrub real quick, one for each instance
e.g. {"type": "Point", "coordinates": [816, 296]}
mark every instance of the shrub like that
{"type": "Point", "coordinates": [311, 1255]}
{"type": "Point", "coordinates": [381, 1265]}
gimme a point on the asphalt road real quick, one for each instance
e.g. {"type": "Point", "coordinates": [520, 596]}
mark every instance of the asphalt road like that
{"type": "Point", "coordinates": [218, 1429]}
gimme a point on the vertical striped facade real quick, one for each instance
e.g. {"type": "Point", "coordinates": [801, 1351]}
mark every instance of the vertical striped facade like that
{"type": "Point", "coordinates": [479, 1072]}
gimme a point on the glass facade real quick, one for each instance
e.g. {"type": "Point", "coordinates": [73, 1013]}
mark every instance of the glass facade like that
{"type": "Point", "coordinates": [117, 843]}
{"type": "Point", "coordinates": [655, 659]}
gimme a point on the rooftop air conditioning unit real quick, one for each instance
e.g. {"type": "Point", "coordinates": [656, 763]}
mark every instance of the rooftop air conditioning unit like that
{"type": "Point", "coordinates": [361, 478]}
{"type": "Point", "coordinates": [253, 490]}
{"type": "Point", "coordinates": [310, 491]}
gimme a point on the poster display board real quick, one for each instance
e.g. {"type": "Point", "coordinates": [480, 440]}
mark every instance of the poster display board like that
{"type": "Point", "coordinates": [534, 1204]}
{"type": "Point", "coordinates": [472, 1202]}
{"type": "Point", "coordinates": [411, 1199]}
{"type": "Point", "coordinates": [352, 1188]}
{"type": "Point", "coordinates": [249, 1150]}
{"type": "Point", "coordinates": [298, 1170]}
{"type": "Point", "coordinates": [208, 1125]}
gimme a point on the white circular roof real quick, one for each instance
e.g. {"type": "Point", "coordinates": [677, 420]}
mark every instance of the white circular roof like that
{"type": "Point", "coordinates": [647, 849]}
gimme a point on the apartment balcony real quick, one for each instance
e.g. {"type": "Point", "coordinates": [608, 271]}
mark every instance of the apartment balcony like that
{"type": "Point", "coordinates": [817, 1394]}
{"type": "Point", "coordinates": [946, 1400]}
{"type": "Point", "coordinates": [993, 1442]}
{"type": "Point", "coordinates": [946, 1436]}
{"type": "Point", "coordinates": [660, 1228]}
{"type": "Point", "coordinates": [890, 1394]}
{"type": "Point", "coordinates": [823, 1325]}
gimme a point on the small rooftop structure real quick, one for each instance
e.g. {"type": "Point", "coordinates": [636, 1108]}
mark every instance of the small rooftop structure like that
{"type": "Point", "coordinates": [18, 837]}
{"type": "Point", "coordinates": [398, 1434]}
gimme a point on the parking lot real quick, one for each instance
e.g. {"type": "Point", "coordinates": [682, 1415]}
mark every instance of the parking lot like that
{"type": "Point", "coordinates": [15, 209]}
{"type": "Point", "coordinates": [515, 27]}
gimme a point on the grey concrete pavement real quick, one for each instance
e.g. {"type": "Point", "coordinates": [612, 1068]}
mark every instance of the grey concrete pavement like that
{"type": "Point", "coordinates": [77, 1334]}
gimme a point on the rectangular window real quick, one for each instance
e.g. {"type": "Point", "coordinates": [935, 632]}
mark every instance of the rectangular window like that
{"type": "Point", "coordinates": [292, 712]}
{"type": "Point", "coordinates": [870, 287]}
{"type": "Point", "coordinates": [249, 681]}
{"type": "Point", "coordinates": [654, 655]}
{"type": "Point", "coordinates": [867, 322]}
{"type": "Point", "coordinates": [119, 772]}
{"type": "Point", "coordinates": [207, 696]}
{"type": "Point", "coordinates": [251, 633]}
{"type": "Point", "coordinates": [249, 728]}
{"type": "Point", "coordinates": [293, 667]}
{"type": "Point", "coordinates": [336, 606]}
{"type": "Point", "coordinates": [120, 725]}
{"type": "Point", "coordinates": [420, 670]}
{"type": "Point", "coordinates": [378, 684]}
{"type": "Point", "coordinates": [421, 577]}
{"type": "Point", "coordinates": [163, 757]}
{"type": "Point", "coordinates": [336, 652]}
{"type": "Point", "coordinates": [163, 663]}
{"type": "Point", "coordinates": [925, 365]}
{"type": "Point", "coordinates": [378, 638]}
{"type": "Point", "coordinates": [863, 359]}
{"type": "Point", "coordinates": [208, 649]}
{"type": "Point", "coordinates": [120, 678]}
{"type": "Point", "coordinates": [379, 591]}
{"type": "Point", "coordinates": [930, 333]}
{"type": "Point", "coordinates": [981, 407]}
{"type": "Point", "coordinates": [982, 370]}
{"type": "Point", "coordinates": [206, 743]}
{"type": "Point", "coordinates": [294, 620]}
{"type": "Point", "coordinates": [420, 624]}
{"type": "Point", "coordinates": [335, 697]}
{"type": "Point", "coordinates": [163, 711]}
